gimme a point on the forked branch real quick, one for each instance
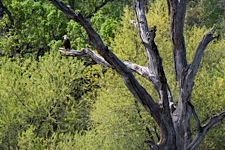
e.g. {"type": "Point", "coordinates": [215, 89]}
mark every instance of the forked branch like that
{"type": "Point", "coordinates": [177, 9]}
{"type": "Point", "coordinates": [129, 80]}
{"type": "Point", "coordinates": [97, 59]}
{"type": "Point", "coordinates": [198, 126]}
{"type": "Point", "coordinates": [193, 69]}
{"type": "Point", "coordinates": [212, 121]}
{"type": "Point", "coordinates": [152, 145]}
{"type": "Point", "coordinates": [155, 67]}
{"type": "Point", "coordinates": [98, 8]}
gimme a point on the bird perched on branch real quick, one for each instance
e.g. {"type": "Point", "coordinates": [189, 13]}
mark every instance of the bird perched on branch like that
{"type": "Point", "coordinates": [66, 42]}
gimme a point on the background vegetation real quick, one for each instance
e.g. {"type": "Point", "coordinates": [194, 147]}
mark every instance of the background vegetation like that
{"type": "Point", "coordinates": [52, 102]}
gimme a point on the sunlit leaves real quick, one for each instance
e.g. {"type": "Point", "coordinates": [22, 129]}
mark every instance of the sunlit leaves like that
{"type": "Point", "coordinates": [45, 95]}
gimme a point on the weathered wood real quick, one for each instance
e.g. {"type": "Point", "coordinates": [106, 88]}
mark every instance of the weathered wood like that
{"type": "Point", "coordinates": [174, 123]}
{"type": "Point", "coordinates": [129, 80]}
{"type": "Point", "coordinates": [86, 52]}
{"type": "Point", "coordinates": [147, 35]}
{"type": "Point", "coordinates": [177, 9]}
{"type": "Point", "coordinates": [192, 70]}
{"type": "Point", "coordinates": [212, 121]}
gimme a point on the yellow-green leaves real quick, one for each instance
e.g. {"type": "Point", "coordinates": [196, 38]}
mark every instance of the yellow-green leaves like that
{"type": "Point", "coordinates": [39, 99]}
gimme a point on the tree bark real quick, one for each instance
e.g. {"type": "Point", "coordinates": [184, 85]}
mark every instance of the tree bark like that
{"type": "Point", "coordinates": [182, 114]}
{"type": "Point", "coordinates": [174, 124]}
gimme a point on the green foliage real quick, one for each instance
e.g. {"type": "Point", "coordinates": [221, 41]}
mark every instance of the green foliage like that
{"type": "Point", "coordinates": [45, 99]}
{"type": "Point", "coordinates": [127, 42]}
{"type": "Point", "coordinates": [104, 25]}
{"type": "Point", "coordinates": [88, 8]}
{"type": "Point", "coordinates": [117, 120]}
{"type": "Point", "coordinates": [40, 99]}
{"type": "Point", "coordinates": [35, 25]}
{"type": "Point", "coordinates": [209, 13]}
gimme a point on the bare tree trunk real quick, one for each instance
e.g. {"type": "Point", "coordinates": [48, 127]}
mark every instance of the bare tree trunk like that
{"type": "Point", "coordinates": [182, 114]}
{"type": "Point", "coordinates": [174, 124]}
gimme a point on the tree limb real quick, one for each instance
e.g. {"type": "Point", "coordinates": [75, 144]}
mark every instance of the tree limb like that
{"type": "Point", "coordinates": [177, 9]}
{"type": "Point", "coordinates": [193, 69]}
{"type": "Point", "coordinates": [134, 23]}
{"type": "Point", "coordinates": [141, 70]}
{"type": "Point", "coordinates": [198, 126]}
{"type": "Point", "coordinates": [186, 83]}
{"type": "Point", "coordinates": [212, 121]}
{"type": "Point", "coordinates": [168, 6]}
{"type": "Point", "coordinates": [86, 52]}
{"type": "Point", "coordinates": [182, 115]}
{"type": "Point", "coordinates": [155, 67]}
{"type": "Point", "coordinates": [152, 145]}
{"type": "Point", "coordinates": [96, 59]}
{"type": "Point", "coordinates": [147, 35]}
{"type": "Point", "coordinates": [132, 84]}
{"type": "Point", "coordinates": [151, 77]}
{"type": "Point", "coordinates": [97, 8]}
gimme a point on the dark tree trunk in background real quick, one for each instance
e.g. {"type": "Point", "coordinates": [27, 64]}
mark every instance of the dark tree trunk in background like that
{"type": "Point", "coordinates": [72, 4]}
{"type": "Point", "coordinates": [4, 10]}
{"type": "Point", "coordinates": [173, 121]}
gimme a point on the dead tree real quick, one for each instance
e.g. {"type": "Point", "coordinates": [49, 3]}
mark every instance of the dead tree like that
{"type": "Point", "coordinates": [173, 121]}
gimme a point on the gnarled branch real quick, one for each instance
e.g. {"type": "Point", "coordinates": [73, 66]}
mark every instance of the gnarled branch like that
{"type": "Point", "coordinates": [155, 67]}
{"type": "Point", "coordinates": [97, 59]}
{"type": "Point", "coordinates": [129, 80]}
{"type": "Point", "coordinates": [193, 68]}
{"type": "Point", "coordinates": [97, 8]}
{"type": "Point", "coordinates": [177, 9]}
{"type": "Point", "coordinates": [198, 126]}
{"type": "Point", "coordinates": [212, 121]}
{"type": "Point", "coordinates": [86, 52]}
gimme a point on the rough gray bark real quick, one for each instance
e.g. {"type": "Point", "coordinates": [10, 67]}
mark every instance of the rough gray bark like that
{"type": "Point", "coordinates": [174, 124]}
